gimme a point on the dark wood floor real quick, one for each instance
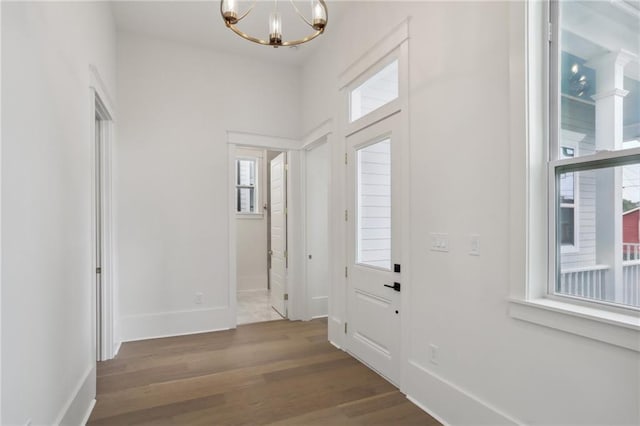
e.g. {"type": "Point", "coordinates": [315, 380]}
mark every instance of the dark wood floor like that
{"type": "Point", "coordinates": [277, 372]}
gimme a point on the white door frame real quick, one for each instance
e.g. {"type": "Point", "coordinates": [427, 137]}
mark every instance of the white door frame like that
{"type": "Point", "coordinates": [394, 43]}
{"type": "Point", "coordinates": [101, 106]}
{"type": "Point", "coordinates": [295, 246]}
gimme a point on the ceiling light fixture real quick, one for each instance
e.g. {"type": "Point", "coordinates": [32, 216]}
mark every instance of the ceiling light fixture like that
{"type": "Point", "coordinates": [318, 22]}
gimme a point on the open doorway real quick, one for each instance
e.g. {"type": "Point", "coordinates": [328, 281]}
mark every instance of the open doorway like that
{"type": "Point", "coordinates": [279, 227]}
{"type": "Point", "coordinates": [102, 220]}
{"type": "Point", "coordinates": [260, 204]}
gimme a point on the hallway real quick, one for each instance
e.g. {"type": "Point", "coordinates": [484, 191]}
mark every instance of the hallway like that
{"type": "Point", "coordinates": [255, 306]}
{"type": "Point", "coordinates": [278, 372]}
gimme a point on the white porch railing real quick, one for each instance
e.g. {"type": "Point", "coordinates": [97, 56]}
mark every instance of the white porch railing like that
{"type": "Point", "coordinates": [588, 282]}
{"type": "Point", "coordinates": [631, 282]}
{"type": "Point", "coordinates": [631, 251]}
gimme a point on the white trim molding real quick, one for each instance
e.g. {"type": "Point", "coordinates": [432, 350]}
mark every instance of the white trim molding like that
{"type": "Point", "coordinates": [318, 135]}
{"type": "Point", "coordinates": [371, 57]}
{"type": "Point", "coordinates": [175, 323]}
{"type": "Point", "coordinates": [78, 407]}
{"type": "Point", "coordinates": [614, 328]}
{"type": "Point", "coordinates": [262, 141]}
{"type": "Point", "coordinates": [97, 83]}
{"type": "Point", "coordinates": [101, 105]}
{"type": "Point", "coordinates": [443, 399]}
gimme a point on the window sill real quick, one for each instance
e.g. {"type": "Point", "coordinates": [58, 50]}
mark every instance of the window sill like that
{"type": "Point", "coordinates": [249, 215]}
{"type": "Point", "coordinates": [614, 328]}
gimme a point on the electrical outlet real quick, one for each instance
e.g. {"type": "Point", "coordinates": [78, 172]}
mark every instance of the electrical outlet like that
{"type": "Point", "coordinates": [198, 298]}
{"type": "Point", "coordinates": [439, 242]}
{"type": "Point", "coordinates": [433, 355]}
{"type": "Point", "coordinates": [474, 245]}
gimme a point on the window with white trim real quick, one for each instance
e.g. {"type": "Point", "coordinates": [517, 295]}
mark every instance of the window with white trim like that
{"type": "Point", "coordinates": [594, 155]}
{"type": "Point", "coordinates": [375, 92]}
{"type": "Point", "coordinates": [247, 186]}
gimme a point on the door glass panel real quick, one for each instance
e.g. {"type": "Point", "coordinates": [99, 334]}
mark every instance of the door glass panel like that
{"type": "Point", "coordinates": [374, 205]}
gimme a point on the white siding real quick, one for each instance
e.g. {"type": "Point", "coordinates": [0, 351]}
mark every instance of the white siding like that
{"type": "Point", "coordinates": [374, 204]}
{"type": "Point", "coordinates": [578, 133]}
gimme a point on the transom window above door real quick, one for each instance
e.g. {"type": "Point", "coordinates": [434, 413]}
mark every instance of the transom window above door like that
{"type": "Point", "coordinates": [375, 92]}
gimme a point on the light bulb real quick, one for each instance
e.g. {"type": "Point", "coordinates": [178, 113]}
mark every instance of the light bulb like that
{"type": "Point", "coordinates": [275, 29]}
{"type": "Point", "coordinates": [318, 16]}
{"type": "Point", "coordinates": [229, 12]}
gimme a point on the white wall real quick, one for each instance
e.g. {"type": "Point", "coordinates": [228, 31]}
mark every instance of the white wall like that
{"type": "Point", "coordinates": [177, 103]}
{"type": "Point", "coordinates": [251, 233]}
{"type": "Point", "coordinates": [491, 367]}
{"type": "Point", "coordinates": [48, 346]}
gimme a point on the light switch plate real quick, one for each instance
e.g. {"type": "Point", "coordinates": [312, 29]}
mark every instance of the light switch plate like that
{"type": "Point", "coordinates": [439, 242]}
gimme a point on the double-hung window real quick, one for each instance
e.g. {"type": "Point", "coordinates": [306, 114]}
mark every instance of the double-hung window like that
{"type": "Point", "coordinates": [247, 186]}
{"type": "Point", "coordinates": [594, 152]}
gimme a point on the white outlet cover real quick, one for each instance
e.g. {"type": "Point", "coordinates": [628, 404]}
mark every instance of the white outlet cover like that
{"type": "Point", "coordinates": [433, 356]}
{"type": "Point", "coordinates": [474, 245]}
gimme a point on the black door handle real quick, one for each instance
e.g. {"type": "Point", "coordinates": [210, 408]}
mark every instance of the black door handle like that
{"type": "Point", "coordinates": [395, 286]}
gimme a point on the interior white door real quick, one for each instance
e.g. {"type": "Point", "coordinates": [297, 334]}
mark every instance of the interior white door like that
{"type": "Point", "coordinates": [277, 207]}
{"type": "Point", "coordinates": [373, 302]}
{"type": "Point", "coordinates": [317, 229]}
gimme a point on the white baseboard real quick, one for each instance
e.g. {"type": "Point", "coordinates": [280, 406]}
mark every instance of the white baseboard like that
{"type": "Point", "coordinates": [448, 403]}
{"type": "Point", "coordinates": [319, 306]}
{"type": "Point", "coordinates": [88, 414]}
{"type": "Point", "coordinates": [164, 324]}
{"type": "Point", "coordinates": [80, 403]}
{"type": "Point", "coordinates": [427, 410]}
{"type": "Point", "coordinates": [336, 331]}
{"type": "Point", "coordinates": [117, 348]}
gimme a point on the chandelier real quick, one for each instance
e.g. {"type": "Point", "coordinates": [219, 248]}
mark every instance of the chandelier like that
{"type": "Point", "coordinates": [318, 22]}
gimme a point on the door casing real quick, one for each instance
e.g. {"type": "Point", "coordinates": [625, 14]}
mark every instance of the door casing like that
{"type": "Point", "coordinates": [103, 298]}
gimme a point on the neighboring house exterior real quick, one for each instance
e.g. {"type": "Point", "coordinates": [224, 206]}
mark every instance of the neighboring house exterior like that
{"type": "Point", "coordinates": [631, 234]}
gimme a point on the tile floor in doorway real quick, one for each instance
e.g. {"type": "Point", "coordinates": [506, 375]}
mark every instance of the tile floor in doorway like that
{"type": "Point", "coordinates": [255, 306]}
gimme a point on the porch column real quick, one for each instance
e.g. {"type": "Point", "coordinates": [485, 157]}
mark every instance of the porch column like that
{"type": "Point", "coordinates": [609, 136]}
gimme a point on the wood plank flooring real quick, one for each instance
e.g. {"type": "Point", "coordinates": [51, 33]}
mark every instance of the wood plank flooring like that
{"type": "Point", "coordinates": [277, 372]}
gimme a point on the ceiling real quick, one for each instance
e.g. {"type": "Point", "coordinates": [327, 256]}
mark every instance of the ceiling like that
{"type": "Point", "coordinates": [199, 23]}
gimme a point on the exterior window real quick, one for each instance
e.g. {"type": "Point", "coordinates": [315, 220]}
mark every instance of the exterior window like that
{"type": "Point", "coordinates": [246, 185]}
{"type": "Point", "coordinates": [377, 91]}
{"type": "Point", "coordinates": [594, 155]}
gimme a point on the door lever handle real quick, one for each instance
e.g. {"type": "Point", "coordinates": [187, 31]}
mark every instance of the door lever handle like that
{"type": "Point", "coordinates": [395, 286]}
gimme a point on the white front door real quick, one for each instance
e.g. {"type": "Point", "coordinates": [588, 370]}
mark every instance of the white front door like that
{"type": "Point", "coordinates": [373, 305]}
{"type": "Point", "coordinates": [277, 207]}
